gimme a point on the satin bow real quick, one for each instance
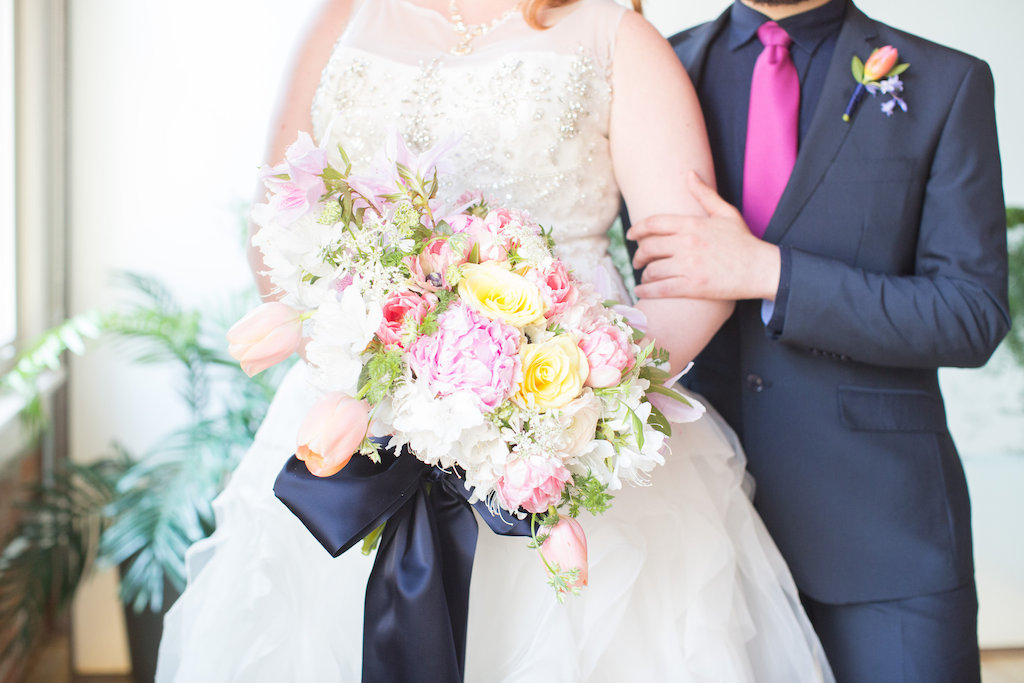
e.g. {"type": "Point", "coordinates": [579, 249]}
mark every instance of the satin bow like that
{"type": "Point", "coordinates": [417, 596]}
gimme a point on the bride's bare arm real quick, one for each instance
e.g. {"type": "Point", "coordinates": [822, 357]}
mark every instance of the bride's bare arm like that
{"type": "Point", "coordinates": [657, 136]}
{"type": "Point", "coordinates": [294, 110]}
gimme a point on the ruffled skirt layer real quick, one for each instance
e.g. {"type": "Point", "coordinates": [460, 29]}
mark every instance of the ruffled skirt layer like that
{"type": "Point", "coordinates": [685, 585]}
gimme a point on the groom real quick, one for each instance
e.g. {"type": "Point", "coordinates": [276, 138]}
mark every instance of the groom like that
{"type": "Point", "coordinates": [881, 257]}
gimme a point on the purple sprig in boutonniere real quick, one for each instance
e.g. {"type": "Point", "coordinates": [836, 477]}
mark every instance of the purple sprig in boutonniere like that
{"type": "Point", "coordinates": [880, 74]}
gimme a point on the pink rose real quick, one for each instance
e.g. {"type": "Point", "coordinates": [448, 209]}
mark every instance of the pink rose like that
{"type": "Point", "coordinates": [265, 336]}
{"type": "Point", "coordinates": [565, 548]}
{"type": "Point", "coordinates": [491, 244]}
{"type": "Point", "coordinates": [332, 432]}
{"type": "Point", "coordinates": [402, 309]}
{"type": "Point", "coordinates": [608, 352]}
{"type": "Point", "coordinates": [532, 483]}
{"type": "Point", "coordinates": [556, 286]}
{"type": "Point", "coordinates": [502, 222]}
{"type": "Point", "coordinates": [468, 353]}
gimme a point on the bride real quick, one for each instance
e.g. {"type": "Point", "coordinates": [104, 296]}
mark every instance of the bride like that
{"type": "Point", "coordinates": [685, 584]}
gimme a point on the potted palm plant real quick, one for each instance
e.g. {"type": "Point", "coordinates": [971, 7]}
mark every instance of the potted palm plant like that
{"type": "Point", "coordinates": [139, 512]}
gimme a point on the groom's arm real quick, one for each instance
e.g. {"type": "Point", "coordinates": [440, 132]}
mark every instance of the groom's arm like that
{"type": "Point", "coordinates": [951, 310]}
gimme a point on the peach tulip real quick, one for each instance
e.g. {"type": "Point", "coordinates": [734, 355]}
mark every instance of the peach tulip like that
{"type": "Point", "coordinates": [880, 63]}
{"type": "Point", "coordinates": [332, 432]}
{"type": "Point", "coordinates": [265, 336]}
{"type": "Point", "coordinates": [565, 549]}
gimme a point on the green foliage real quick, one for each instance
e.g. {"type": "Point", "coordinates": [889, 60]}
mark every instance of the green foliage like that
{"type": "Point", "coordinates": [445, 297]}
{"type": "Point", "coordinates": [379, 373]}
{"type": "Point", "coordinates": [1014, 216]}
{"type": "Point", "coordinates": [586, 492]}
{"type": "Point", "coordinates": [138, 512]}
{"type": "Point", "coordinates": [857, 66]}
{"type": "Point", "coordinates": [56, 543]}
{"type": "Point", "coordinates": [1015, 339]}
{"type": "Point", "coordinates": [44, 355]}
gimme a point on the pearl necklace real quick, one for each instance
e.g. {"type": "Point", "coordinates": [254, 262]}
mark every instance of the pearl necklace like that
{"type": "Point", "coordinates": [470, 32]}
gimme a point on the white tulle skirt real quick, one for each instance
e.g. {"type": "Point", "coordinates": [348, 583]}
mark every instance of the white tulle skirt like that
{"type": "Point", "coordinates": [685, 585]}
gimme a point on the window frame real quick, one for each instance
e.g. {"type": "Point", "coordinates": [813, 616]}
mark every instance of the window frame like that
{"type": "Point", "coordinates": [40, 201]}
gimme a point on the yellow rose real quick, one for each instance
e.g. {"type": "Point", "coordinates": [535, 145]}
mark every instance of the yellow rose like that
{"type": "Point", "coordinates": [553, 373]}
{"type": "Point", "coordinates": [500, 294]}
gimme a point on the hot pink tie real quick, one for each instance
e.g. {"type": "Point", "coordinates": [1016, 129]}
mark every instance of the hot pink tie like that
{"type": "Point", "coordinates": [771, 127]}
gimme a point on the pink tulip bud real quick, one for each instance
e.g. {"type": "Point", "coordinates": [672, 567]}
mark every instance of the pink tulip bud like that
{"type": "Point", "coordinates": [880, 63]}
{"type": "Point", "coordinates": [265, 336]}
{"type": "Point", "coordinates": [565, 548]}
{"type": "Point", "coordinates": [332, 432]}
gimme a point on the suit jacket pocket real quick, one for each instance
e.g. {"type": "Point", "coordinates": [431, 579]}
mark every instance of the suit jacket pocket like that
{"type": "Point", "coordinates": [890, 410]}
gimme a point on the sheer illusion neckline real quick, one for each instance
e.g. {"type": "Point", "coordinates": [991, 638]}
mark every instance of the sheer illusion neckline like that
{"type": "Point", "coordinates": [561, 14]}
{"type": "Point", "coordinates": [446, 19]}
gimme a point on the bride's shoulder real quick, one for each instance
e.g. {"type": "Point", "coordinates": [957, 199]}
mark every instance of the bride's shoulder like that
{"type": "Point", "coordinates": [624, 27]}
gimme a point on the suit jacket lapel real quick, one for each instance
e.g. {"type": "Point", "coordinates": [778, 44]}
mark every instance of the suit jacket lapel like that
{"type": "Point", "coordinates": [828, 131]}
{"type": "Point", "coordinates": [693, 51]}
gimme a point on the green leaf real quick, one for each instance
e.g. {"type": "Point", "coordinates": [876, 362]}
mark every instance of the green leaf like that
{"type": "Point", "coordinates": [372, 540]}
{"type": "Point", "coordinates": [665, 391]}
{"type": "Point", "coordinates": [659, 421]}
{"type": "Point", "coordinates": [897, 70]}
{"type": "Point", "coordinates": [345, 160]}
{"type": "Point", "coordinates": [857, 66]}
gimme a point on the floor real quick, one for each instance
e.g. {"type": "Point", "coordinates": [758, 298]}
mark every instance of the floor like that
{"type": "Point", "coordinates": [52, 665]}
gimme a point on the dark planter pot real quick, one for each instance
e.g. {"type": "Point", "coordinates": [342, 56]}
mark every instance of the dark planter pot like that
{"type": "Point", "coordinates": [144, 631]}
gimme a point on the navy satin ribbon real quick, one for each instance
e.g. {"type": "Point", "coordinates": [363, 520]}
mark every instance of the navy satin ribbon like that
{"type": "Point", "coordinates": [417, 596]}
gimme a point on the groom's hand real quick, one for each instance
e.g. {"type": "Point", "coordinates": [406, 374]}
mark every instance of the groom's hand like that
{"type": "Point", "coordinates": [704, 257]}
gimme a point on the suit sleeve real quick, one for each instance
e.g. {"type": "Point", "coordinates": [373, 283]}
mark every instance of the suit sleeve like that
{"type": "Point", "coordinates": [952, 309]}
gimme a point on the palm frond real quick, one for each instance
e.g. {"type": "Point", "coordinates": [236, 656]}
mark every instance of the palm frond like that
{"type": "Point", "coordinates": [54, 546]}
{"type": "Point", "coordinates": [1015, 242]}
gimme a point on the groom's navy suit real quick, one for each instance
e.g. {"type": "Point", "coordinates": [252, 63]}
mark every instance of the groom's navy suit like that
{"type": "Point", "coordinates": [892, 231]}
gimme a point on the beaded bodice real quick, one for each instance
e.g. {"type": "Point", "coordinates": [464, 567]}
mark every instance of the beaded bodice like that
{"type": "Point", "coordinates": [531, 108]}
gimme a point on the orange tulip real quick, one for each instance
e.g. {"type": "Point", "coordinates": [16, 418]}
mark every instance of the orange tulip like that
{"type": "Point", "coordinates": [880, 63]}
{"type": "Point", "coordinates": [332, 432]}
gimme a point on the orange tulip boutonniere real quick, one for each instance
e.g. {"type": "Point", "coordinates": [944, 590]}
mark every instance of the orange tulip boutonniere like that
{"type": "Point", "coordinates": [879, 74]}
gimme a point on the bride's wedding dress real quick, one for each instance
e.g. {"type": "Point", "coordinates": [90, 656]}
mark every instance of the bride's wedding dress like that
{"type": "Point", "coordinates": [685, 583]}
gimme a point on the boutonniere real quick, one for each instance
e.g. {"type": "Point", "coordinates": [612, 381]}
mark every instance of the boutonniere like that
{"type": "Point", "coordinates": [880, 74]}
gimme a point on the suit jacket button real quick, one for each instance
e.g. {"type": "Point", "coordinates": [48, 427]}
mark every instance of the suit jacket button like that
{"type": "Point", "coordinates": [755, 382]}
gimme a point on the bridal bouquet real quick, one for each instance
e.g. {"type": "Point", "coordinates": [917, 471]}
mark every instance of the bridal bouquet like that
{"type": "Point", "coordinates": [457, 332]}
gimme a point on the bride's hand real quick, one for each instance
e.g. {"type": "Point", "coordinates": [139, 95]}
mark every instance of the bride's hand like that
{"type": "Point", "coordinates": [704, 257]}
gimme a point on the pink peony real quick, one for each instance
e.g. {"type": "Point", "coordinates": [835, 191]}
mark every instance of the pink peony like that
{"type": "Point", "coordinates": [401, 309]}
{"type": "Point", "coordinates": [468, 353]}
{"type": "Point", "coordinates": [533, 483]}
{"type": "Point", "coordinates": [566, 548]}
{"type": "Point", "coordinates": [556, 286]}
{"type": "Point", "coordinates": [332, 432]}
{"type": "Point", "coordinates": [265, 336]}
{"type": "Point", "coordinates": [608, 352]}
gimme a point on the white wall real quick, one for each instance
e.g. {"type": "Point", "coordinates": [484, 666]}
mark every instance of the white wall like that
{"type": "Point", "coordinates": [988, 29]}
{"type": "Point", "coordinates": [169, 107]}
